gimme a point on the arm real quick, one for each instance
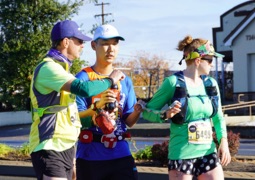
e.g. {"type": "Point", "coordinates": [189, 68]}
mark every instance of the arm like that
{"type": "Point", "coordinates": [221, 133]}
{"type": "Point", "coordinates": [87, 88]}
{"type": "Point", "coordinates": [91, 88]}
{"type": "Point", "coordinates": [162, 97]}
{"type": "Point", "coordinates": [218, 119]}
{"type": "Point", "coordinates": [134, 116]}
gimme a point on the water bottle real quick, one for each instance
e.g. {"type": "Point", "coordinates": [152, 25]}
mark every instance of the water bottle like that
{"type": "Point", "coordinates": [111, 106]}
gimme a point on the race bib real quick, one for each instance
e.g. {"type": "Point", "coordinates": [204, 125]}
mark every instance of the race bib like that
{"type": "Point", "coordinates": [200, 132]}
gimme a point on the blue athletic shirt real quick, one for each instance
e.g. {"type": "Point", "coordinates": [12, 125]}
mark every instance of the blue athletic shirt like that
{"type": "Point", "coordinates": [96, 150]}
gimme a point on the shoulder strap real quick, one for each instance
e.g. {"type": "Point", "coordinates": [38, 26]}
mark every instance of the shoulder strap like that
{"type": "Point", "coordinates": [211, 92]}
{"type": "Point", "coordinates": [181, 95]}
{"type": "Point", "coordinates": [180, 79]}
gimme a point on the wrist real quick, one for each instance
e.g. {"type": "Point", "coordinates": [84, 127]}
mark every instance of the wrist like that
{"type": "Point", "coordinates": [93, 106]}
{"type": "Point", "coordinates": [99, 110]}
{"type": "Point", "coordinates": [224, 138]}
{"type": "Point", "coordinates": [163, 116]}
{"type": "Point", "coordinates": [111, 80]}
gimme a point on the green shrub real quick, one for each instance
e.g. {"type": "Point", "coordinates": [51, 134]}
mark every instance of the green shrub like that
{"type": "Point", "coordinates": [4, 150]}
{"type": "Point", "coordinates": [143, 154]}
{"type": "Point", "coordinates": [24, 150]}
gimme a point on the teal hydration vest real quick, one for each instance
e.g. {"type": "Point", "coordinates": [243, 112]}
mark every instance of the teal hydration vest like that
{"type": "Point", "coordinates": [181, 94]}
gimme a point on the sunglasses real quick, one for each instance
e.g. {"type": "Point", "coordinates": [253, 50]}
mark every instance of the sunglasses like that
{"type": "Point", "coordinates": [79, 40]}
{"type": "Point", "coordinates": [207, 59]}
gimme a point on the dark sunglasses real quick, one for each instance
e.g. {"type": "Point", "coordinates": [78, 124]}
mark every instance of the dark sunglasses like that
{"type": "Point", "coordinates": [207, 59]}
{"type": "Point", "coordinates": [79, 40]}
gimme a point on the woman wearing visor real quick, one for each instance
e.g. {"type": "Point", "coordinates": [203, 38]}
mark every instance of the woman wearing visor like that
{"type": "Point", "coordinates": [191, 150]}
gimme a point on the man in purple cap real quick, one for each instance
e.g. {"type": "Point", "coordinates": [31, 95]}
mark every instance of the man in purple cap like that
{"type": "Point", "coordinates": [55, 119]}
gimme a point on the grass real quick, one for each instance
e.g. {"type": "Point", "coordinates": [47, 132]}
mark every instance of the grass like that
{"type": "Point", "coordinates": [18, 154]}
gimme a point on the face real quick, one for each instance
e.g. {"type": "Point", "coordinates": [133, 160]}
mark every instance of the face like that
{"type": "Point", "coordinates": [106, 50]}
{"type": "Point", "coordinates": [74, 48]}
{"type": "Point", "coordinates": [206, 64]}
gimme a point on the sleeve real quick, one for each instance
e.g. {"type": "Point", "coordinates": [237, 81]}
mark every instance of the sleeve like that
{"type": "Point", "coordinates": [130, 99]}
{"type": "Point", "coordinates": [218, 120]}
{"type": "Point", "coordinates": [162, 97]}
{"type": "Point", "coordinates": [81, 101]}
{"type": "Point", "coordinates": [51, 77]}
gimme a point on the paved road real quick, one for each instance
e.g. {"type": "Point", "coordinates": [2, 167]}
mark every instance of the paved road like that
{"type": "Point", "coordinates": [17, 135]}
{"type": "Point", "coordinates": [16, 178]}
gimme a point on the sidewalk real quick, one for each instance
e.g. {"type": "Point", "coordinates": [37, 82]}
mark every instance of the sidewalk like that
{"type": "Point", "coordinates": [24, 169]}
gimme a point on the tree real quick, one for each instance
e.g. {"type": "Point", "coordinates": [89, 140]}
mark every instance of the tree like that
{"type": "Point", "coordinates": [25, 27]}
{"type": "Point", "coordinates": [77, 64]}
{"type": "Point", "coordinates": [147, 73]}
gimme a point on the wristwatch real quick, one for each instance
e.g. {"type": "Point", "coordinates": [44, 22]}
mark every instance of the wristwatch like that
{"type": "Point", "coordinates": [94, 106]}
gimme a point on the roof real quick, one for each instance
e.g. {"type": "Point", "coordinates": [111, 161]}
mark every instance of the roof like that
{"type": "Point", "coordinates": [228, 41]}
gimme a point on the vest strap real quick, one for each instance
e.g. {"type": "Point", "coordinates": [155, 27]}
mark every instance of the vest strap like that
{"type": "Point", "coordinates": [49, 110]}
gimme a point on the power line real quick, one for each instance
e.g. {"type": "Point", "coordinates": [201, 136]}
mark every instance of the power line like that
{"type": "Point", "coordinates": [102, 13]}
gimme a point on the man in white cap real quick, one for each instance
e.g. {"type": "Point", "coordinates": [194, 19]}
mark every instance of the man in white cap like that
{"type": "Point", "coordinates": [56, 124]}
{"type": "Point", "coordinates": [103, 152]}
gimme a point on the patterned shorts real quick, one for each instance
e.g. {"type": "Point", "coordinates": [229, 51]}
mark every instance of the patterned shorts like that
{"type": "Point", "coordinates": [196, 166]}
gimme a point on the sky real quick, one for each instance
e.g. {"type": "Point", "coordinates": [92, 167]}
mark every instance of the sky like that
{"type": "Point", "coordinates": [154, 27]}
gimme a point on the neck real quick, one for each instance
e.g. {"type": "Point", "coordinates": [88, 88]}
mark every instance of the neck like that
{"type": "Point", "coordinates": [102, 70]}
{"type": "Point", "coordinates": [192, 76]}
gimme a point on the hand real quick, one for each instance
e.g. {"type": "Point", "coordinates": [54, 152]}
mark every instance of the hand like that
{"type": "Point", "coordinates": [173, 110]}
{"type": "Point", "coordinates": [223, 152]}
{"type": "Point", "coordinates": [139, 106]}
{"type": "Point", "coordinates": [117, 75]}
{"type": "Point", "coordinates": [106, 97]}
{"type": "Point", "coordinates": [141, 103]}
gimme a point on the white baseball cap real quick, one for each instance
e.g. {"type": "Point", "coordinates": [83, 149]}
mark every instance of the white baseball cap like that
{"type": "Point", "coordinates": [106, 31]}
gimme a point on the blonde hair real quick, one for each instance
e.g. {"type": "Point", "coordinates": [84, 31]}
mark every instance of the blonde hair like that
{"type": "Point", "coordinates": [188, 45]}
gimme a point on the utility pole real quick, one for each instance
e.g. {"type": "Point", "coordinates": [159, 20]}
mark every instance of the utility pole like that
{"type": "Point", "coordinates": [102, 13]}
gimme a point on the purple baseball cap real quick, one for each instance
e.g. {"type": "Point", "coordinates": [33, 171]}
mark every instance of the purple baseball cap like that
{"type": "Point", "coordinates": [67, 28]}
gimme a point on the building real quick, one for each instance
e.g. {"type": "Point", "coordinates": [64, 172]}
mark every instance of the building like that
{"type": "Point", "coordinates": [235, 38]}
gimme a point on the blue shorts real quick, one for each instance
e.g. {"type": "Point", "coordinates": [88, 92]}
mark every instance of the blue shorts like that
{"type": "Point", "coordinates": [53, 163]}
{"type": "Point", "coordinates": [195, 166]}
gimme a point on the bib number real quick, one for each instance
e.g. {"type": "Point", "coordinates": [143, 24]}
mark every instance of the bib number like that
{"type": "Point", "coordinates": [200, 132]}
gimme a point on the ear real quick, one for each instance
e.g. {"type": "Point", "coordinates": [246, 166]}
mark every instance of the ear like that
{"type": "Point", "coordinates": [93, 45]}
{"type": "Point", "coordinates": [65, 42]}
{"type": "Point", "coordinates": [197, 61]}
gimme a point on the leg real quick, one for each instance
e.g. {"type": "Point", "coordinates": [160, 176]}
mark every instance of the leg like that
{"type": "Point", "coordinates": [177, 175]}
{"type": "Point", "coordinates": [216, 173]}
{"type": "Point", "coordinates": [124, 169]}
{"type": "Point", "coordinates": [91, 170]}
{"type": "Point", "coordinates": [52, 165]}
{"type": "Point", "coordinates": [74, 169]}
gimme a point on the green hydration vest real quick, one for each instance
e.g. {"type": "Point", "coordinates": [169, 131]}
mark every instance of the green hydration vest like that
{"type": "Point", "coordinates": [181, 94]}
{"type": "Point", "coordinates": [54, 115]}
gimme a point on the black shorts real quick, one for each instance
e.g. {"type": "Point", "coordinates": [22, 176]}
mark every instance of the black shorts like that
{"type": "Point", "coordinates": [196, 166]}
{"type": "Point", "coordinates": [122, 168]}
{"type": "Point", "coordinates": [53, 163]}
